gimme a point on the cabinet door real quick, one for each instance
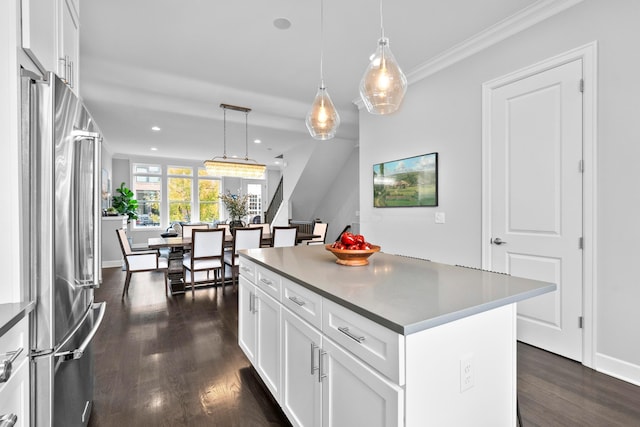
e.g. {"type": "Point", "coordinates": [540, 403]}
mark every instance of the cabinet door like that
{"type": "Point", "coordinates": [14, 394]}
{"type": "Point", "coordinates": [246, 319]}
{"type": "Point", "coordinates": [68, 34]}
{"type": "Point", "coordinates": [267, 364]}
{"type": "Point", "coordinates": [301, 388]}
{"type": "Point", "coordinates": [39, 32]}
{"type": "Point", "coordinates": [355, 395]}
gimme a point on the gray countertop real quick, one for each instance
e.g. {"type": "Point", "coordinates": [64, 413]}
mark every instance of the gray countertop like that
{"type": "Point", "coordinates": [12, 313]}
{"type": "Point", "coordinates": [403, 294]}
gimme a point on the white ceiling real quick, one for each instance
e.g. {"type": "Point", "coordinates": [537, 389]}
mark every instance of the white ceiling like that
{"type": "Point", "coordinates": [171, 64]}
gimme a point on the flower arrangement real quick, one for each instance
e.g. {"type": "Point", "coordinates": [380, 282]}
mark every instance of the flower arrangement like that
{"type": "Point", "coordinates": [237, 205]}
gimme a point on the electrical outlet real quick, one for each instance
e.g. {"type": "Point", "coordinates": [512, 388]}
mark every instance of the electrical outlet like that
{"type": "Point", "coordinates": [439, 216]}
{"type": "Point", "coordinates": [466, 373]}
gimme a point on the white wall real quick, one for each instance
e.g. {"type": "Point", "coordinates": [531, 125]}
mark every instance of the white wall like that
{"type": "Point", "coordinates": [442, 113]}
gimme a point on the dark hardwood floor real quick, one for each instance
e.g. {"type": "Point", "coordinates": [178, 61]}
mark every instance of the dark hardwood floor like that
{"type": "Point", "coordinates": [175, 362]}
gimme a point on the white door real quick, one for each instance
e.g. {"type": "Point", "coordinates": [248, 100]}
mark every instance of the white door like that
{"type": "Point", "coordinates": [354, 394]}
{"type": "Point", "coordinates": [535, 146]}
{"type": "Point", "coordinates": [267, 362]}
{"type": "Point", "coordinates": [301, 388]}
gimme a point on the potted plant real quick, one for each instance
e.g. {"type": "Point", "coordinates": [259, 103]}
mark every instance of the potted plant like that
{"type": "Point", "coordinates": [237, 206]}
{"type": "Point", "coordinates": [125, 203]}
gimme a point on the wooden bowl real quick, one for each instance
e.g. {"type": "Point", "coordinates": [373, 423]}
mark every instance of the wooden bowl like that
{"type": "Point", "coordinates": [352, 257]}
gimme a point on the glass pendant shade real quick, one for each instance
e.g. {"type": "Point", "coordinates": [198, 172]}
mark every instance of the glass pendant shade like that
{"type": "Point", "coordinates": [323, 118]}
{"type": "Point", "coordinates": [383, 85]}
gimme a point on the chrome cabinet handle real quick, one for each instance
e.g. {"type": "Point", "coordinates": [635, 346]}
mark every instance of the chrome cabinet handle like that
{"type": "Point", "coordinates": [245, 268]}
{"type": "Point", "coordinates": [346, 331]}
{"type": "Point", "coordinates": [321, 374]}
{"type": "Point", "coordinates": [255, 298]}
{"type": "Point", "coordinates": [7, 365]}
{"type": "Point", "coordinates": [313, 356]}
{"type": "Point", "coordinates": [8, 420]}
{"type": "Point", "coordinates": [498, 241]}
{"type": "Point", "coordinates": [266, 281]}
{"type": "Point", "coordinates": [297, 301]}
{"type": "Point", "coordinates": [251, 303]}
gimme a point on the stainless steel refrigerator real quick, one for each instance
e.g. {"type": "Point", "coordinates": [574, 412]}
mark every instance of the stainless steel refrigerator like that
{"type": "Point", "coordinates": [61, 147]}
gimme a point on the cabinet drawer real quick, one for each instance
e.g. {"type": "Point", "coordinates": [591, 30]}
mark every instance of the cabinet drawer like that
{"type": "Point", "coordinates": [268, 281]}
{"type": "Point", "coordinates": [303, 302]}
{"type": "Point", "coordinates": [247, 269]}
{"type": "Point", "coordinates": [376, 345]}
{"type": "Point", "coordinates": [14, 393]}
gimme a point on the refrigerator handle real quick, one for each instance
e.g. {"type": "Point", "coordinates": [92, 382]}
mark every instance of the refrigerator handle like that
{"type": "Point", "coordinates": [97, 227]}
{"type": "Point", "coordinates": [79, 352]}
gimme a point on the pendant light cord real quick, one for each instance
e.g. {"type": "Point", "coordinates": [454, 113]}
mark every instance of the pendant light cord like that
{"type": "Point", "coordinates": [381, 24]}
{"type": "Point", "coordinates": [246, 135]}
{"type": "Point", "coordinates": [224, 139]}
{"type": "Point", "coordinates": [321, 43]}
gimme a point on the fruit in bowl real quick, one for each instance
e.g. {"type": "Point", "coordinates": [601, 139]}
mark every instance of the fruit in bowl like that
{"type": "Point", "coordinates": [352, 249]}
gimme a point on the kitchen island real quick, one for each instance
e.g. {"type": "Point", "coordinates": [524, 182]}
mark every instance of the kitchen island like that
{"type": "Point", "coordinates": [399, 342]}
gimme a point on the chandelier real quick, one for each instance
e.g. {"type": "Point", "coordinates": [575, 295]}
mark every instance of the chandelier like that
{"type": "Point", "coordinates": [244, 168]}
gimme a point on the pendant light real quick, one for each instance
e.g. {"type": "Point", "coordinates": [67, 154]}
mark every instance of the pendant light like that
{"type": "Point", "coordinates": [245, 168]}
{"type": "Point", "coordinates": [384, 84]}
{"type": "Point", "coordinates": [323, 119]}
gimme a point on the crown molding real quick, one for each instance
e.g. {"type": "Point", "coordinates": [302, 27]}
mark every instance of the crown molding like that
{"type": "Point", "coordinates": [537, 12]}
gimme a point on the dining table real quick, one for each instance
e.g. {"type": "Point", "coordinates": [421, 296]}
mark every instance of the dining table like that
{"type": "Point", "coordinates": [178, 244]}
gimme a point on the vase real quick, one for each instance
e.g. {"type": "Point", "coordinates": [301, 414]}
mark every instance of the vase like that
{"type": "Point", "coordinates": [236, 223]}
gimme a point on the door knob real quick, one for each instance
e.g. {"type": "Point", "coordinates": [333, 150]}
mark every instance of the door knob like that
{"type": "Point", "coordinates": [498, 241]}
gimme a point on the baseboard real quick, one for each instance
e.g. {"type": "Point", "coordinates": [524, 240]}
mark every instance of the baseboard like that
{"type": "Point", "coordinates": [109, 264]}
{"type": "Point", "coordinates": [617, 368]}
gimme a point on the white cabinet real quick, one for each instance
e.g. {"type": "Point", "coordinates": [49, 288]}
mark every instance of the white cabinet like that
{"type": "Point", "coordinates": [259, 333]}
{"type": "Point", "coordinates": [51, 36]}
{"type": "Point", "coordinates": [315, 380]}
{"type": "Point", "coordinates": [301, 383]}
{"type": "Point", "coordinates": [38, 32]}
{"type": "Point", "coordinates": [324, 385]}
{"type": "Point", "coordinates": [68, 43]}
{"type": "Point", "coordinates": [111, 252]}
{"type": "Point", "coordinates": [353, 394]}
{"type": "Point", "coordinates": [14, 392]}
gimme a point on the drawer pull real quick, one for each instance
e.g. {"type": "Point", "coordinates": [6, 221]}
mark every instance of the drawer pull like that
{"type": "Point", "coordinates": [245, 268]}
{"type": "Point", "coordinates": [266, 282]}
{"type": "Point", "coordinates": [345, 330]}
{"type": "Point", "coordinates": [8, 420]}
{"type": "Point", "coordinates": [7, 365]}
{"type": "Point", "coordinates": [298, 301]}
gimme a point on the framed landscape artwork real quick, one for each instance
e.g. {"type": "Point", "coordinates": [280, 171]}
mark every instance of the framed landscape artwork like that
{"type": "Point", "coordinates": [406, 182]}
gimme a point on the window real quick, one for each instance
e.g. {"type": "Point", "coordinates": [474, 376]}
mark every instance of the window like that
{"type": "Point", "coordinates": [255, 200]}
{"type": "Point", "coordinates": [208, 197]}
{"type": "Point", "coordinates": [179, 193]}
{"type": "Point", "coordinates": [147, 185]}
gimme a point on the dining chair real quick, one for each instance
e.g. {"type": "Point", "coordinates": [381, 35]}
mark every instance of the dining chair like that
{"type": "Point", "coordinates": [226, 228]}
{"type": "Point", "coordinates": [207, 249]}
{"type": "Point", "coordinates": [284, 236]}
{"type": "Point", "coordinates": [244, 238]}
{"type": "Point", "coordinates": [186, 228]}
{"type": "Point", "coordinates": [320, 229]}
{"type": "Point", "coordinates": [138, 261]}
{"type": "Point", "coordinates": [266, 230]}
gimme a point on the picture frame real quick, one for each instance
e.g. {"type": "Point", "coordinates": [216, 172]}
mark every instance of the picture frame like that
{"type": "Point", "coordinates": [408, 182]}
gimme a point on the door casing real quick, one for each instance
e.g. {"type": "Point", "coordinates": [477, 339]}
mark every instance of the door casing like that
{"type": "Point", "coordinates": [588, 54]}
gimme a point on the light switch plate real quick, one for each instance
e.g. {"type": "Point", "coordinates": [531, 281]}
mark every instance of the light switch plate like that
{"type": "Point", "coordinates": [440, 218]}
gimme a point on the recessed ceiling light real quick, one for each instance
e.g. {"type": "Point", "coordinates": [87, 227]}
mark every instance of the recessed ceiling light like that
{"type": "Point", "coordinates": [276, 162]}
{"type": "Point", "coordinates": [155, 129]}
{"type": "Point", "coordinates": [281, 23]}
{"type": "Point", "coordinates": [257, 141]}
{"type": "Point", "coordinates": [154, 148]}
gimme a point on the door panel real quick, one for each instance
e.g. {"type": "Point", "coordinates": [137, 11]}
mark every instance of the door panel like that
{"type": "Point", "coordinates": [536, 200]}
